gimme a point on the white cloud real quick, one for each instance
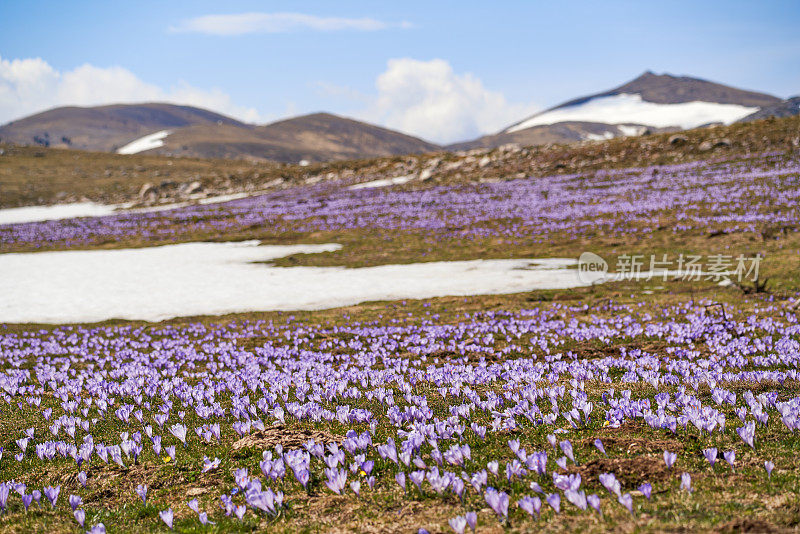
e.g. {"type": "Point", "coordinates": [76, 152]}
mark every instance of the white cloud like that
{"type": "Point", "coordinates": [31, 85]}
{"type": "Point", "coordinates": [428, 99]}
{"type": "Point", "coordinates": [244, 23]}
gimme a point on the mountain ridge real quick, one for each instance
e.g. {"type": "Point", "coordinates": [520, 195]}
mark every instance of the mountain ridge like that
{"type": "Point", "coordinates": [648, 103]}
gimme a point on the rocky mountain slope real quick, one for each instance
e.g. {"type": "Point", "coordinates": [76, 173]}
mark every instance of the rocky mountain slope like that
{"type": "Point", "coordinates": [651, 102]}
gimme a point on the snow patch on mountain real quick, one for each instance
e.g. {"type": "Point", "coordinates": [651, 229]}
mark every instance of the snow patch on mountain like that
{"type": "Point", "coordinates": [148, 142]}
{"type": "Point", "coordinates": [631, 109]}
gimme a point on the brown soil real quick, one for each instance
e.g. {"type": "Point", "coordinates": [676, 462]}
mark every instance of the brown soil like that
{"type": "Point", "coordinates": [748, 525]}
{"type": "Point", "coordinates": [631, 472]}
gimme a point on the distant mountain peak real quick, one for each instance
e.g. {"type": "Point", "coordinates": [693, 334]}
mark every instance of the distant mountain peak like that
{"type": "Point", "coordinates": [650, 101]}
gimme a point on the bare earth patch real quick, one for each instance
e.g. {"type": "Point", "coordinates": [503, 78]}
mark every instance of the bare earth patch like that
{"type": "Point", "coordinates": [278, 434]}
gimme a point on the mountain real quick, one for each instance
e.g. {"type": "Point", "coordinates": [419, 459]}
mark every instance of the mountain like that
{"type": "Point", "coordinates": [784, 108]}
{"type": "Point", "coordinates": [314, 137]}
{"type": "Point", "coordinates": [654, 102]}
{"type": "Point", "coordinates": [105, 128]}
{"type": "Point", "coordinates": [189, 131]}
{"type": "Point", "coordinates": [651, 102]}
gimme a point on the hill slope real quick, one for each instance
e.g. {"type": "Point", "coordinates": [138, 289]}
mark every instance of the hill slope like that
{"type": "Point", "coordinates": [189, 131]}
{"type": "Point", "coordinates": [315, 137]}
{"type": "Point", "coordinates": [105, 128]}
{"type": "Point", "coordinates": [785, 108]}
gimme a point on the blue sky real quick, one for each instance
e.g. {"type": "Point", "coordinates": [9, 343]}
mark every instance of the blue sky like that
{"type": "Point", "coordinates": [441, 70]}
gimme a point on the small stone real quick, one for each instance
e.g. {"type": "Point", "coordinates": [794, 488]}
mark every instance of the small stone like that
{"type": "Point", "coordinates": [678, 140]}
{"type": "Point", "coordinates": [194, 187]}
{"type": "Point", "coordinates": [148, 190]}
{"type": "Point", "coordinates": [722, 143]}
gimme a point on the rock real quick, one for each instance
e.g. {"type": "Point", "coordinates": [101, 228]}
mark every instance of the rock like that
{"type": "Point", "coordinates": [194, 187]}
{"type": "Point", "coordinates": [426, 175]}
{"type": "Point", "coordinates": [148, 190]}
{"type": "Point", "coordinates": [435, 162]}
{"type": "Point", "coordinates": [705, 146]}
{"type": "Point", "coordinates": [722, 143]}
{"type": "Point", "coordinates": [510, 147]}
{"type": "Point", "coordinates": [485, 160]}
{"type": "Point", "coordinates": [677, 140]}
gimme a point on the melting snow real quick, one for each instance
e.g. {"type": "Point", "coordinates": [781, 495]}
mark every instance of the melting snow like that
{"type": "Point", "coordinates": [384, 182]}
{"type": "Point", "coordinates": [630, 130]}
{"type": "Point", "coordinates": [631, 109]}
{"type": "Point", "coordinates": [217, 278]}
{"type": "Point", "coordinates": [90, 209]}
{"type": "Point", "coordinates": [148, 142]}
{"type": "Point", "coordinates": [50, 213]}
{"type": "Point", "coordinates": [599, 137]}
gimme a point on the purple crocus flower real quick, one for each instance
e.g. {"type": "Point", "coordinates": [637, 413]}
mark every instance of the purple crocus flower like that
{"type": "Point", "coordinates": [209, 465]}
{"type": "Point", "coordinates": [599, 445]}
{"type": "Point", "coordinates": [627, 501]}
{"type": "Point", "coordinates": [497, 501]}
{"type": "Point", "coordinates": [768, 467]}
{"type": "Point", "coordinates": [5, 489]}
{"type": "Point", "coordinates": [179, 431]}
{"type": "Point", "coordinates": [669, 458]}
{"type": "Point", "coordinates": [493, 466]}
{"type": "Point", "coordinates": [26, 501]}
{"type": "Point", "coordinates": [646, 489]}
{"type": "Point", "coordinates": [141, 491]}
{"type": "Point", "coordinates": [730, 457]}
{"type": "Point", "coordinates": [203, 517]}
{"type": "Point", "coordinates": [472, 520]}
{"type": "Point", "coordinates": [686, 482]}
{"type": "Point", "coordinates": [554, 500]}
{"type": "Point", "coordinates": [566, 448]}
{"type": "Point", "coordinates": [401, 479]}
{"type": "Point", "coordinates": [458, 524]}
{"type": "Point", "coordinates": [99, 528]}
{"type": "Point", "coordinates": [710, 455]}
{"type": "Point", "coordinates": [52, 494]}
{"type": "Point", "coordinates": [74, 502]}
{"type": "Point", "coordinates": [239, 512]}
{"type": "Point", "coordinates": [594, 502]}
{"type": "Point", "coordinates": [82, 478]}
{"type": "Point", "coordinates": [167, 516]}
{"type": "Point", "coordinates": [302, 475]}
{"type": "Point", "coordinates": [578, 498]}
{"type": "Point", "coordinates": [80, 516]}
{"type": "Point", "coordinates": [610, 482]}
{"type": "Point", "coordinates": [747, 433]}
{"type": "Point", "coordinates": [528, 504]}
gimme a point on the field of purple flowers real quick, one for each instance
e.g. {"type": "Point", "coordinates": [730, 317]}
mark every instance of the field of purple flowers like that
{"type": "Point", "coordinates": [609, 409]}
{"type": "Point", "coordinates": [735, 197]}
{"type": "Point", "coordinates": [554, 417]}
